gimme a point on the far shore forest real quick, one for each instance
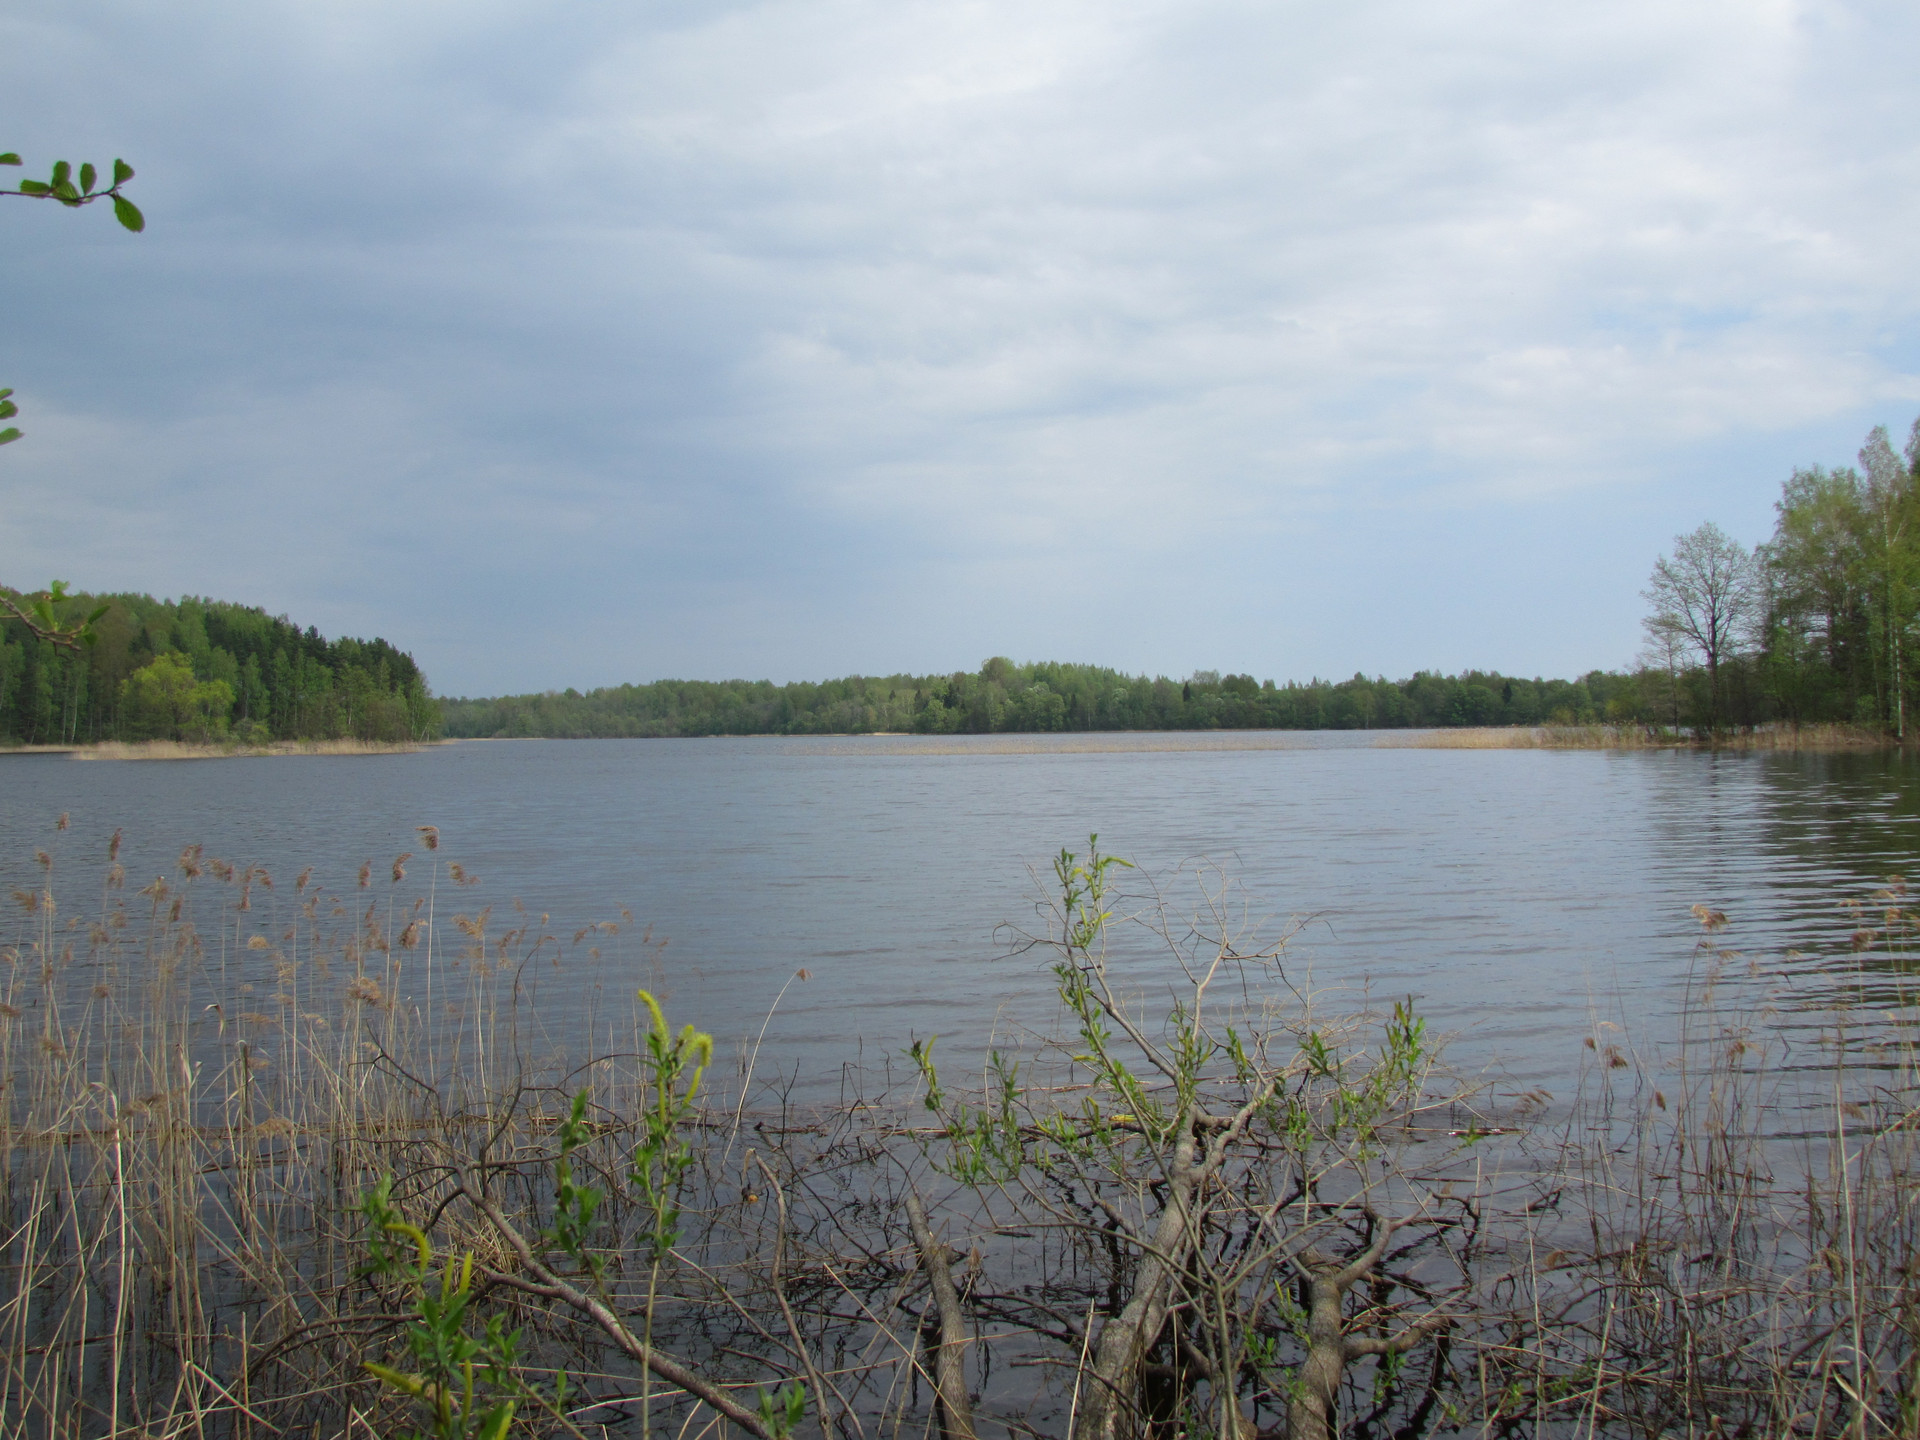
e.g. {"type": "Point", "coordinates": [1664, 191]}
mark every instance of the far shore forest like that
{"type": "Point", "coordinates": [205, 671]}
{"type": "Point", "coordinates": [1814, 627]}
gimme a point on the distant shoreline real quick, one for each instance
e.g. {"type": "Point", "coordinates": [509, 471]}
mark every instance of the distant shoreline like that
{"type": "Point", "coordinates": [1805, 738]}
{"type": "Point", "coordinates": [1823, 738]}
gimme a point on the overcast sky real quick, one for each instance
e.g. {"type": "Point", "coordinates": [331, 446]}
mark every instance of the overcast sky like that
{"type": "Point", "coordinates": [569, 345]}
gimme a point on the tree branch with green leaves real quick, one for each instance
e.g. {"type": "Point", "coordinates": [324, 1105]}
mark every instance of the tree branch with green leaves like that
{"type": "Point", "coordinates": [76, 187]}
{"type": "Point", "coordinates": [42, 614]}
{"type": "Point", "coordinates": [72, 188]}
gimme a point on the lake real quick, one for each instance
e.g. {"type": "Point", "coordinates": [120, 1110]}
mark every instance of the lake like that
{"type": "Point", "coordinates": [1519, 895]}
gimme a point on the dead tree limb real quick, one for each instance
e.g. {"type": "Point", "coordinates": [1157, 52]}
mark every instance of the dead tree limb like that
{"type": "Point", "coordinates": [949, 1369]}
{"type": "Point", "coordinates": [814, 1377]}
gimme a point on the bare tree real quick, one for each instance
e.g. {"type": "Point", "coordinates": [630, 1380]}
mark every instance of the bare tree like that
{"type": "Point", "coordinates": [1707, 596]}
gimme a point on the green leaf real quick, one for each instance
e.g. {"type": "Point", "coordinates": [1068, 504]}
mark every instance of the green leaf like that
{"type": "Point", "coordinates": [128, 214]}
{"type": "Point", "coordinates": [66, 193]}
{"type": "Point", "coordinates": [122, 172]}
{"type": "Point", "coordinates": [61, 172]}
{"type": "Point", "coordinates": [87, 176]}
{"type": "Point", "coordinates": [6, 392]}
{"type": "Point", "coordinates": [9, 435]}
{"type": "Point", "coordinates": [35, 187]}
{"type": "Point", "coordinates": [11, 159]}
{"type": "Point", "coordinates": [8, 409]}
{"type": "Point", "coordinates": [96, 613]}
{"type": "Point", "coordinates": [494, 1427]}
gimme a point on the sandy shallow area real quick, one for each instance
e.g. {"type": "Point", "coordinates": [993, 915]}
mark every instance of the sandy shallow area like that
{"type": "Point", "coordinates": [181, 750]}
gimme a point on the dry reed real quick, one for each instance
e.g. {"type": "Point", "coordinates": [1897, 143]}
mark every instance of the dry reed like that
{"type": "Point", "coordinates": [1638, 737]}
{"type": "Point", "coordinates": [1719, 1239]}
{"type": "Point", "coordinates": [199, 1085]}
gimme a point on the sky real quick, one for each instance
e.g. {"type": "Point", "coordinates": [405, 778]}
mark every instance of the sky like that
{"type": "Point", "coordinates": [569, 345]}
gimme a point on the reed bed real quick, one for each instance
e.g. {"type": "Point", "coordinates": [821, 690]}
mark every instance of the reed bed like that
{"type": "Point", "coordinates": [205, 1079]}
{"type": "Point", "coordinates": [1811, 737]}
{"type": "Point", "coordinates": [1534, 737]}
{"type": "Point", "coordinates": [199, 1087]}
{"type": "Point", "coordinates": [1719, 1240]}
{"type": "Point", "coordinates": [1822, 737]}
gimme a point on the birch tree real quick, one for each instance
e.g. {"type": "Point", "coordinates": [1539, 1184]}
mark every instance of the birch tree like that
{"type": "Point", "coordinates": [1889, 501]}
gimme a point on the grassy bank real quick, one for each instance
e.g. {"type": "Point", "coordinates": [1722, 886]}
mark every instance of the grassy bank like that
{"type": "Point", "coordinates": [1256, 1211]}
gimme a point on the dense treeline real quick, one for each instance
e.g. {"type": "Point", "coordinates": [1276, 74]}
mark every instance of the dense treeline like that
{"type": "Point", "coordinates": [1003, 696]}
{"type": "Point", "coordinates": [1815, 625]}
{"type": "Point", "coordinates": [197, 669]}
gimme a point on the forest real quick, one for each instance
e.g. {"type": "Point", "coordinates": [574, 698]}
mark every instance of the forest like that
{"type": "Point", "coordinates": [203, 670]}
{"type": "Point", "coordinates": [1004, 696]}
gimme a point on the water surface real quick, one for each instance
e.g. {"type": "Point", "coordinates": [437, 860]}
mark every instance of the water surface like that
{"type": "Point", "coordinates": [1518, 895]}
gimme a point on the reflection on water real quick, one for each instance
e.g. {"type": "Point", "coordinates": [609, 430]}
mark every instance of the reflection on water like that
{"type": "Point", "coordinates": [1520, 895]}
{"type": "Point", "coordinates": [1828, 933]}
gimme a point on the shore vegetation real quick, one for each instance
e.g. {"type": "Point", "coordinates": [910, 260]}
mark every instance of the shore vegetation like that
{"type": "Point", "coordinates": [1815, 626]}
{"type": "Point", "coordinates": [282, 1158]}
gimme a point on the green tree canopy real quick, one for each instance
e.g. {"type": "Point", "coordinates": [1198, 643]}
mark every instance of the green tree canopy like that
{"type": "Point", "coordinates": [163, 701]}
